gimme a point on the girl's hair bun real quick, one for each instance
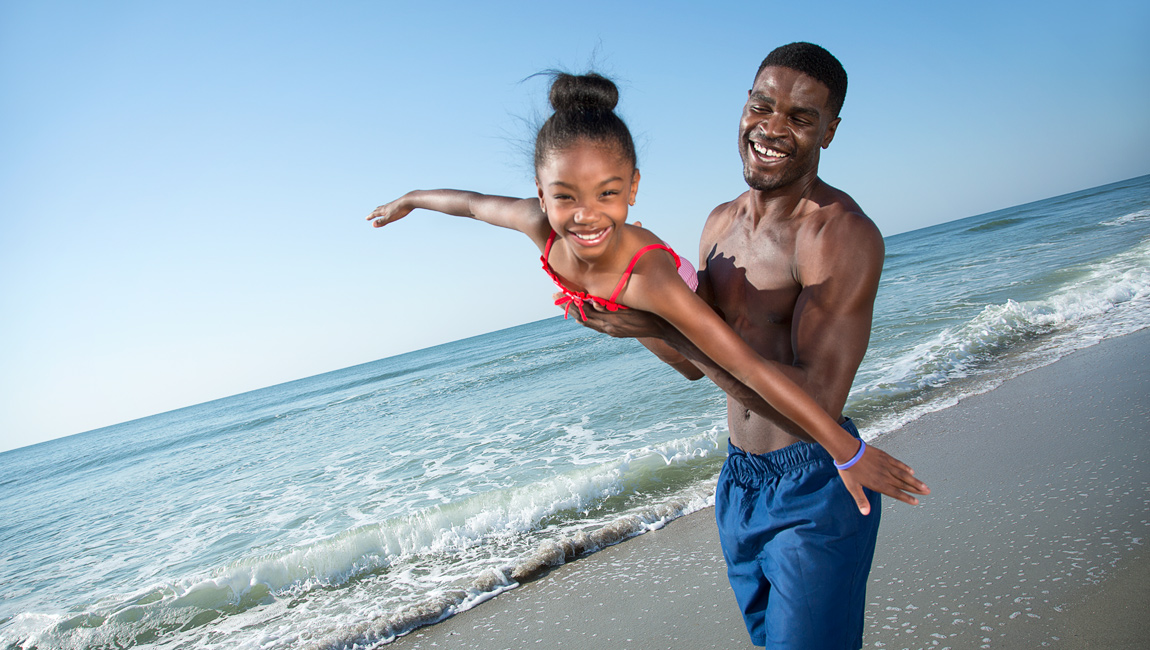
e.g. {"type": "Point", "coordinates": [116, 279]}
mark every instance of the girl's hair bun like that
{"type": "Point", "coordinates": [589, 92]}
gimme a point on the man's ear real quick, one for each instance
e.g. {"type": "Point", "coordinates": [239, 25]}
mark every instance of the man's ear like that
{"type": "Point", "coordinates": [830, 134]}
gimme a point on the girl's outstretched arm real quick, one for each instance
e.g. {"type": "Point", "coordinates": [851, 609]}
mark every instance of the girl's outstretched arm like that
{"type": "Point", "coordinates": [655, 290]}
{"type": "Point", "coordinates": [523, 215]}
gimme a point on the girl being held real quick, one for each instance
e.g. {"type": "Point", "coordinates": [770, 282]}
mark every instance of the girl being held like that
{"type": "Point", "coordinates": [586, 178]}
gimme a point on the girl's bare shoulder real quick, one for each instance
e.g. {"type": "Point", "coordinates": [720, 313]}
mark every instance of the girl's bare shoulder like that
{"type": "Point", "coordinates": [636, 237]}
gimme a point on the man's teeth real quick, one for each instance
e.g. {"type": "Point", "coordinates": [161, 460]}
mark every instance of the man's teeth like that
{"type": "Point", "coordinates": [770, 153]}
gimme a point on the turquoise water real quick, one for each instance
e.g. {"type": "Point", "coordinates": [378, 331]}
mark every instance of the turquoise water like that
{"type": "Point", "coordinates": [343, 509]}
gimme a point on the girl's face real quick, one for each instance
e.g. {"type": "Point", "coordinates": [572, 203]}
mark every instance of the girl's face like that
{"type": "Point", "coordinates": [585, 191]}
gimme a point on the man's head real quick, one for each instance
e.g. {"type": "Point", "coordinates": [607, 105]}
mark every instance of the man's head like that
{"type": "Point", "coordinates": [815, 62]}
{"type": "Point", "coordinates": [791, 113]}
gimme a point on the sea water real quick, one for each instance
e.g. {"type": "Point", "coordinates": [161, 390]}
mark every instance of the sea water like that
{"type": "Point", "coordinates": [342, 510]}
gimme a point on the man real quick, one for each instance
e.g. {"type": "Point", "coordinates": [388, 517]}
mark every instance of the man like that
{"type": "Point", "coordinates": [793, 267]}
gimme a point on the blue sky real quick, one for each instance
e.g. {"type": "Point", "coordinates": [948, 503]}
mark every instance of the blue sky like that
{"type": "Point", "coordinates": [183, 184]}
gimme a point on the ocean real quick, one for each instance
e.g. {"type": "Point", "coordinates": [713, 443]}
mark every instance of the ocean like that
{"type": "Point", "coordinates": [342, 510]}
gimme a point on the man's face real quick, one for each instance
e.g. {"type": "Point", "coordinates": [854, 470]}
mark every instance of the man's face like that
{"type": "Point", "coordinates": [785, 123]}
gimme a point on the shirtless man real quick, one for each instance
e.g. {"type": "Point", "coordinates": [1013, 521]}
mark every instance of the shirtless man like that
{"type": "Point", "coordinates": [793, 266]}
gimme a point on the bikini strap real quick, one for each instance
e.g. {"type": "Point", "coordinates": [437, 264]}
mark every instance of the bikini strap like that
{"type": "Point", "coordinates": [547, 248]}
{"type": "Point", "coordinates": [630, 267]}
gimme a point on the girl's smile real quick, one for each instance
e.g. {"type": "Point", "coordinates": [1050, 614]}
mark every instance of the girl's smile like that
{"type": "Point", "coordinates": [591, 238]}
{"type": "Point", "coordinates": [585, 191]}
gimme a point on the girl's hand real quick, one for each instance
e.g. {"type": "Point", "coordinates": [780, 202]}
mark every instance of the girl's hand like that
{"type": "Point", "coordinates": [389, 212]}
{"type": "Point", "coordinates": [882, 473]}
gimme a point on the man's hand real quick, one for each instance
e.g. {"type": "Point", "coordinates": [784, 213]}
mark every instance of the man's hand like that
{"type": "Point", "coordinates": [622, 324]}
{"type": "Point", "coordinates": [882, 473]}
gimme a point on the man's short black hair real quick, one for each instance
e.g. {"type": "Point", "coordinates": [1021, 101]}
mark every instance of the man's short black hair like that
{"type": "Point", "coordinates": [814, 61]}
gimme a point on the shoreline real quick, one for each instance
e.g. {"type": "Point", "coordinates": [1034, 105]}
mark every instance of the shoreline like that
{"type": "Point", "coordinates": [1033, 536]}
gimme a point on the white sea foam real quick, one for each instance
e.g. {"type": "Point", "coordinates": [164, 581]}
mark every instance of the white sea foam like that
{"type": "Point", "coordinates": [1140, 215]}
{"type": "Point", "coordinates": [424, 559]}
{"type": "Point", "coordinates": [1104, 299]}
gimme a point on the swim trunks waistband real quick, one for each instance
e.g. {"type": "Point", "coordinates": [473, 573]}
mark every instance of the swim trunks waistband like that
{"type": "Point", "coordinates": [780, 461]}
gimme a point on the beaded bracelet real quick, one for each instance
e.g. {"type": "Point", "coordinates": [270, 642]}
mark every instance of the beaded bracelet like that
{"type": "Point", "coordinates": [854, 459]}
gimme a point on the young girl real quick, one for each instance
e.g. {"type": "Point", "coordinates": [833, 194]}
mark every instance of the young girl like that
{"type": "Point", "coordinates": [586, 178]}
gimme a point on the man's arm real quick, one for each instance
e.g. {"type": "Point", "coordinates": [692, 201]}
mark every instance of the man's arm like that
{"type": "Point", "coordinates": [675, 350]}
{"type": "Point", "coordinates": [673, 357]}
{"type": "Point", "coordinates": [839, 263]}
{"type": "Point", "coordinates": [652, 331]}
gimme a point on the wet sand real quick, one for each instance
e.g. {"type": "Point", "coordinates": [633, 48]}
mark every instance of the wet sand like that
{"type": "Point", "coordinates": [1034, 536]}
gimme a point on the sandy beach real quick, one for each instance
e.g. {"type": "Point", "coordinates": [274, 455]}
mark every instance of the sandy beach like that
{"type": "Point", "coordinates": [1034, 536]}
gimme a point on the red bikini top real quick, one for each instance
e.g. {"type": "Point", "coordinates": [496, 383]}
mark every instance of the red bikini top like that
{"type": "Point", "coordinates": [570, 296]}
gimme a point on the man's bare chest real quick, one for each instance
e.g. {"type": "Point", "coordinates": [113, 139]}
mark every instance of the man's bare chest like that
{"type": "Point", "coordinates": [753, 282]}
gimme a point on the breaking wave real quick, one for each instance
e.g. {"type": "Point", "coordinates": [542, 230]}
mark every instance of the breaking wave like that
{"type": "Point", "coordinates": [538, 526]}
{"type": "Point", "coordinates": [1100, 300]}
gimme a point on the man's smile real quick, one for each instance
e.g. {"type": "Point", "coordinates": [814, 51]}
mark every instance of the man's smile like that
{"type": "Point", "coordinates": [767, 151]}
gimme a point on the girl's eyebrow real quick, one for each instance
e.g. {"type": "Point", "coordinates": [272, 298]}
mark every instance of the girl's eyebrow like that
{"type": "Point", "coordinates": [613, 179]}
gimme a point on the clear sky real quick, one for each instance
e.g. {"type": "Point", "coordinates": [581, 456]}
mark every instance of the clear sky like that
{"type": "Point", "coordinates": [183, 185]}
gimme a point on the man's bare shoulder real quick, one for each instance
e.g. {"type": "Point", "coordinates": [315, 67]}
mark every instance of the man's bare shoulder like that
{"type": "Point", "coordinates": [834, 218]}
{"type": "Point", "coordinates": [720, 220]}
{"type": "Point", "coordinates": [727, 211]}
{"type": "Point", "coordinates": [836, 241]}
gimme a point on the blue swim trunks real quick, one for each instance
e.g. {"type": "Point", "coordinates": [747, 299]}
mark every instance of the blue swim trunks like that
{"type": "Point", "coordinates": [798, 551]}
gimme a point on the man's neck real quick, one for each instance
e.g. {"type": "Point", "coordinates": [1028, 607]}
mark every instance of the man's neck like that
{"type": "Point", "coordinates": [783, 203]}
